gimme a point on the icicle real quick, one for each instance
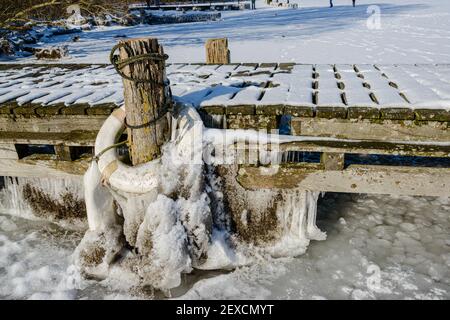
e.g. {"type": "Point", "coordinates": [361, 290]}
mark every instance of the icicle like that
{"type": "Point", "coordinates": [58, 200]}
{"type": "Point", "coordinates": [313, 232]}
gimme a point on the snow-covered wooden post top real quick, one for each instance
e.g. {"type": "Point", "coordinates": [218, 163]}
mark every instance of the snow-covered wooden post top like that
{"type": "Point", "coordinates": [217, 51]}
{"type": "Point", "coordinates": [141, 63]}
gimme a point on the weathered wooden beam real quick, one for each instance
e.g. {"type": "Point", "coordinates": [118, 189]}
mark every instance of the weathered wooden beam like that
{"type": "Point", "coordinates": [217, 51]}
{"type": "Point", "coordinates": [270, 110]}
{"type": "Point", "coordinates": [86, 138]}
{"type": "Point", "coordinates": [368, 147]}
{"type": "Point", "coordinates": [299, 111]}
{"type": "Point", "coordinates": [288, 66]}
{"type": "Point", "coordinates": [242, 121]}
{"type": "Point", "coordinates": [52, 124]}
{"type": "Point", "coordinates": [147, 98]}
{"type": "Point", "coordinates": [63, 152]}
{"type": "Point", "coordinates": [42, 167]}
{"type": "Point", "coordinates": [415, 181]}
{"type": "Point", "coordinates": [380, 130]}
{"type": "Point", "coordinates": [332, 161]}
{"type": "Point", "coordinates": [8, 151]}
{"type": "Point", "coordinates": [432, 114]}
{"type": "Point", "coordinates": [363, 113]}
{"type": "Point", "coordinates": [397, 113]}
{"type": "Point", "coordinates": [331, 112]}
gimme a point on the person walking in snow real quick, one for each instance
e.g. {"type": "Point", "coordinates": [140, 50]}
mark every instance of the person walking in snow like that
{"type": "Point", "coordinates": [354, 3]}
{"type": "Point", "coordinates": [253, 4]}
{"type": "Point", "coordinates": [331, 3]}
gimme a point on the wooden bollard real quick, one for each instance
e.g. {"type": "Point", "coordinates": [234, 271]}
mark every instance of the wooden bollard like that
{"type": "Point", "coordinates": [217, 51]}
{"type": "Point", "coordinates": [147, 97]}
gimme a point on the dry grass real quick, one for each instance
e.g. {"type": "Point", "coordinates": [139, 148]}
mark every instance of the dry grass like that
{"type": "Point", "coordinates": [68, 207]}
{"type": "Point", "coordinates": [16, 13]}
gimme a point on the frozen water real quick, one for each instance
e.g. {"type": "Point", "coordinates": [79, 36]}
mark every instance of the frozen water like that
{"type": "Point", "coordinates": [356, 262]}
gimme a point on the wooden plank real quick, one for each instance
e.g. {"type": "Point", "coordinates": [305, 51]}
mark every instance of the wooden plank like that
{"type": "Point", "coordinates": [270, 110]}
{"type": "Point", "coordinates": [79, 109]}
{"type": "Point", "coordinates": [42, 168]}
{"type": "Point", "coordinates": [25, 110]}
{"type": "Point", "coordinates": [299, 111]}
{"type": "Point", "coordinates": [63, 152]}
{"type": "Point", "coordinates": [368, 147]}
{"type": "Point", "coordinates": [387, 130]}
{"type": "Point", "coordinates": [213, 109]}
{"type": "Point", "coordinates": [397, 114]}
{"type": "Point", "coordinates": [8, 151]}
{"type": "Point", "coordinates": [363, 113]}
{"type": "Point", "coordinates": [286, 66]}
{"type": "Point", "coordinates": [268, 65]}
{"type": "Point", "coordinates": [7, 108]}
{"type": "Point", "coordinates": [331, 112]}
{"type": "Point", "coordinates": [432, 115]}
{"type": "Point", "coordinates": [250, 64]}
{"type": "Point", "coordinates": [240, 109]}
{"type": "Point", "coordinates": [103, 109]}
{"type": "Point", "coordinates": [412, 181]}
{"type": "Point", "coordinates": [47, 111]}
{"type": "Point", "coordinates": [86, 138]}
{"type": "Point", "coordinates": [55, 124]}
{"type": "Point", "coordinates": [251, 122]}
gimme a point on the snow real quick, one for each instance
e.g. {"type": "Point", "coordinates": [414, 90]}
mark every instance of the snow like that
{"type": "Point", "coordinates": [376, 86]}
{"type": "Point", "coordinates": [377, 246]}
{"type": "Point", "coordinates": [366, 256]}
{"type": "Point", "coordinates": [371, 252]}
{"type": "Point", "coordinates": [411, 31]}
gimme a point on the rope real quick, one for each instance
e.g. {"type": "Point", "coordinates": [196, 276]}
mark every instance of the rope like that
{"type": "Point", "coordinates": [98, 155]}
{"type": "Point", "coordinates": [149, 57]}
{"type": "Point", "coordinates": [151, 122]}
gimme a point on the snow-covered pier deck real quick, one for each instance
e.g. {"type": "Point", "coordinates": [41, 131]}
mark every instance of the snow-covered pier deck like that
{"type": "Point", "coordinates": [396, 111]}
{"type": "Point", "coordinates": [402, 92]}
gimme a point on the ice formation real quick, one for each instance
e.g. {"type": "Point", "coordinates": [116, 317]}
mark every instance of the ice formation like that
{"type": "Point", "coordinates": [56, 200]}
{"type": "Point", "coordinates": [192, 217]}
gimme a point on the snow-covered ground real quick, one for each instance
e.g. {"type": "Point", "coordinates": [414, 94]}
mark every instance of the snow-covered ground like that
{"type": "Point", "coordinates": [411, 31]}
{"type": "Point", "coordinates": [377, 246]}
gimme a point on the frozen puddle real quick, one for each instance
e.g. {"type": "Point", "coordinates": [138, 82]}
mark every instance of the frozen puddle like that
{"type": "Point", "coordinates": [377, 247]}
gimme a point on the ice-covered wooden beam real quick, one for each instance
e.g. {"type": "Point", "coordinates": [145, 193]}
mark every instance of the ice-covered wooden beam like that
{"type": "Point", "coordinates": [412, 181]}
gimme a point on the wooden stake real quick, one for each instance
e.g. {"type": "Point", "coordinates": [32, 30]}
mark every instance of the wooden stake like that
{"type": "Point", "coordinates": [332, 161]}
{"type": "Point", "coordinates": [217, 51]}
{"type": "Point", "coordinates": [145, 101]}
{"type": "Point", "coordinates": [63, 152]}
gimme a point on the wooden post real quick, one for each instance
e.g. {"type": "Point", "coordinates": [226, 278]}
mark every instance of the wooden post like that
{"type": "Point", "coordinates": [333, 161]}
{"type": "Point", "coordinates": [145, 99]}
{"type": "Point", "coordinates": [217, 51]}
{"type": "Point", "coordinates": [63, 152]}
